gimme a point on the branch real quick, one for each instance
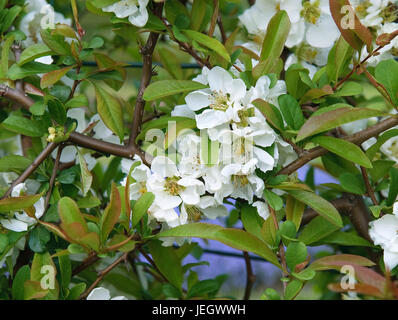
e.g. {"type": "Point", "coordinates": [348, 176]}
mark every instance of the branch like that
{"type": "Point", "coordinates": [146, 51]}
{"type": "Point", "coordinates": [250, 277]}
{"type": "Point", "coordinates": [33, 166]}
{"type": "Point", "coordinates": [102, 274]}
{"type": "Point", "coordinates": [53, 176]}
{"type": "Point", "coordinates": [356, 138]}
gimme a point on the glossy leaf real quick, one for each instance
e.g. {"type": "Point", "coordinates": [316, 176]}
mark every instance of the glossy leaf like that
{"type": "Point", "coordinates": [164, 88]}
{"type": "Point", "coordinates": [235, 238]}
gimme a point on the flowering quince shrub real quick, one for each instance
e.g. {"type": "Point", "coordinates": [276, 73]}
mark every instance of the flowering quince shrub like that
{"type": "Point", "coordinates": [109, 177]}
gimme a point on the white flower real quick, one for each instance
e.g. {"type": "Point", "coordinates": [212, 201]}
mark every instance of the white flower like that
{"type": "Point", "coordinates": [383, 232]}
{"type": "Point", "coordinates": [22, 221]}
{"type": "Point", "coordinates": [238, 146]}
{"type": "Point", "coordinates": [223, 99]}
{"type": "Point", "coordinates": [39, 12]}
{"type": "Point", "coordinates": [262, 209]}
{"type": "Point", "coordinates": [171, 189]}
{"type": "Point", "coordinates": [135, 10]}
{"type": "Point", "coordinates": [257, 17]}
{"type": "Point", "coordinates": [243, 180]}
{"type": "Point", "coordinates": [140, 174]}
{"type": "Point", "coordinates": [101, 293]}
{"type": "Point", "coordinates": [390, 148]}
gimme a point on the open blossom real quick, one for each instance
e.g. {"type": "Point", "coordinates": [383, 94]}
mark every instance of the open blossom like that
{"type": "Point", "coordinates": [40, 15]}
{"type": "Point", "coordinates": [383, 232]}
{"type": "Point", "coordinates": [134, 10]}
{"type": "Point", "coordinates": [101, 293]}
{"type": "Point", "coordinates": [21, 221]}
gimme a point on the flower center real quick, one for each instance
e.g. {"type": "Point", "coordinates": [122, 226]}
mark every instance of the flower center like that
{"type": "Point", "coordinates": [143, 188]}
{"type": "Point", "coordinates": [311, 12]}
{"type": "Point", "coordinates": [239, 180]}
{"type": "Point", "coordinates": [306, 53]}
{"type": "Point", "coordinates": [172, 186]}
{"type": "Point", "coordinates": [389, 13]}
{"type": "Point", "coordinates": [244, 114]}
{"type": "Point", "coordinates": [220, 101]}
{"type": "Point", "coordinates": [394, 149]}
{"type": "Point", "coordinates": [194, 213]}
{"type": "Point", "coordinates": [361, 10]}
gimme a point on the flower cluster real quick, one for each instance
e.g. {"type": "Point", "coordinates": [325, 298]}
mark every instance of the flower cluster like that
{"type": "Point", "coordinates": [194, 184]}
{"type": "Point", "coordinates": [310, 22]}
{"type": "Point", "coordinates": [381, 17]}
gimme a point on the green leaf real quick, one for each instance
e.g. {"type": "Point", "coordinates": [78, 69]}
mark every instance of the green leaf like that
{"type": "Point", "coordinates": [384, 137]}
{"type": "Point", "coordinates": [393, 190]}
{"type": "Point", "coordinates": [358, 34]}
{"type": "Point", "coordinates": [208, 42]}
{"type": "Point", "coordinates": [52, 77]}
{"type": "Point", "coordinates": [17, 72]}
{"type": "Point", "coordinates": [38, 239]}
{"type": "Point", "coordinates": [270, 112]}
{"type": "Point", "coordinates": [65, 267]}
{"type": "Point", "coordinates": [276, 36]}
{"type": "Point", "coordinates": [316, 229]}
{"type": "Point", "coordinates": [69, 213]}
{"type": "Point", "coordinates": [291, 111]}
{"type": "Point", "coordinates": [24, 126]}
{"type": "Point", "coordinates": [197, 14]}
{"type": "Point", "coordinates": [14, 163]}
{"type": "Point", "coordinates": [3, 242]}
{"type": "Point", "coordinates": [37, 273]}
{"type": "Point", "coordinates": [202, 288]}
{"type": "Point", "coordinates": [33, 290]}
{"type": "Point", "coordinates": [334, 118]}
{"type": "Point", "coordinates": [352, 183]}
{"type": "Point", "coordinates": [85, 174]}
{"type": "Point", "coordinates": [294, 211]}
{"type": "Point", "coordinates": [5, 51]}
{"type": "Point", "coordinates": [110, 111]}
{"type": "Point", "coordinates": [273, 199]}
{"type": "Point", "coordinates": [320, 205]}
{"type": "Point", "coordinates": [346, 239]}
{"type": "Point", "coordinates": [234, 238]}
{"type": "Point", "coordinates": [164, 88]}
{"type": "Point", "coordinates": [76, 291]}
{"type": "Point", "coordinates": [11, 14]}
{"type": "Point", "coordinates": [251, 220]}
{"type": "Point", "coordinates": [339, 58]}
{"type": "Point", "coordinates": [386, 73]}
{"type": "Point", "coordinates": [339, 260]}
{"type": "Point", "coordinates": [141, 207]}
{"type": "Point", "coordinates": [55, 42]}
{"type": "Point", "coordinates": [167, 262]}
{"type": "Point", "coordinates": [304, 275]}
{"type": "Point", "coordinates": [33, 52]}
{"type": "Point", "coordinates": [57, 111]}
{"type": "Point", "coordinates": [18, 203]}
{"type": "Point", "coordinates": [111, 213]}
{"type": "Point", "coordinates": [349, 88]}
{"type": "Point", "coordinates": [20, 278]}
{"type": "Point", "coordinates": [292, 289]}
{"type": "Point", "coordinates": [344, 149]}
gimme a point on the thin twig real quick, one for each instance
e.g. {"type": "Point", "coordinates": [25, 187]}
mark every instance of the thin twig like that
{"type": "Point", "coordinates": [369, 189]}
{"type": "Point", "coordinates": [250, 276]}
{"type": "Point", "coordinates": [53, 176]}
{"type": "Point", "coordinates": [32, 167]}
{"type": "Point", "coordinates": [214, 18]}
{"type": "Point", "coordinates": [102, 274]}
